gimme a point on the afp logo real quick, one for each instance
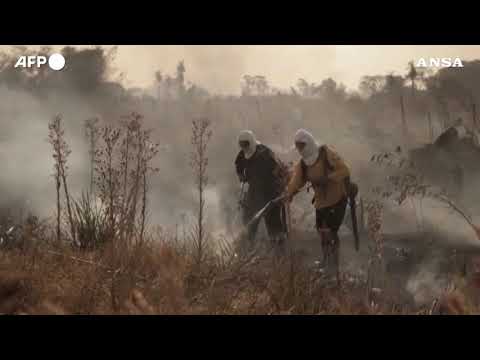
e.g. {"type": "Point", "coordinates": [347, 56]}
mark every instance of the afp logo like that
{"type": "Point", "coordinates": [55, 61]}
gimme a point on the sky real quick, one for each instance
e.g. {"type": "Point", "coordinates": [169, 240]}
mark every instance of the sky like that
{"type": "Point", "coordinates": [220, 68]}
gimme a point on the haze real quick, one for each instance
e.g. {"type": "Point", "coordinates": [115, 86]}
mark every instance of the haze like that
{"type": "Point", "coordinates": [219, 68]}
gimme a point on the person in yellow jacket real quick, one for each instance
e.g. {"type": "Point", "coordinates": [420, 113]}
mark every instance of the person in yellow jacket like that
{"type": "Point", "coordinates": [327, 172]}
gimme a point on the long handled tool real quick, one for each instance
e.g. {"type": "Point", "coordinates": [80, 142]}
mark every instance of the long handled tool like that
{"type": "Point", "coordinates": [263, 211]}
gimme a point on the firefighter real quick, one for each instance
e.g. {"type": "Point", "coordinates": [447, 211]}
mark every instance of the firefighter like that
{"type": "Point", "coordinates": [328, 175]}
{"type": "Point", "coordinates": [258, 166]}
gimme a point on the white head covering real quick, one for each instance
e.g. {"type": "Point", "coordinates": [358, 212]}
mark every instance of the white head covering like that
{"type": "Point", "coordinates": [247, 135]}
{"type": "Point", "coordinates": [309, 153]}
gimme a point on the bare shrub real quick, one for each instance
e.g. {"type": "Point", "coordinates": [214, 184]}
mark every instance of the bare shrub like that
{"type": "Point", "coordinates": [123, 165]}
{"type": "Point", "coordinates": [201, 135]}
{"type": "Point", "coordinates": [408, 182]}
{"type": "Point", "coordinates": [61, 151]}
{"type": "Point", "coordinates": [107, 175]}
{"type": "Point", "coordinates": [92, 133]}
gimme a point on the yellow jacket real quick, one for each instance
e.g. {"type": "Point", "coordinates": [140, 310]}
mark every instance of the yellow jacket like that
{"type": "Point", "coordinates": [335, 189]}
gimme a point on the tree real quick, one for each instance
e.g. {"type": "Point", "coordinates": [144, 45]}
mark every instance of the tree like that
{"type": "Point", "coordinates": [61, 152]}
{"type": "Point", "coordinates": [261, 85]}
{"type": "Point", "coordinates": [327, 89]}
{"type": "Point", "coordinates": [247, 85]}
{"type": "Point", "coordinates": [412, 75]}
{"type": "Point", "coordinates": [255, 85]}
{"type": "Point", "coordinates": [305, 88]}
{"type": "Point", "coordinates": [393, 84]}
{"type": "Point", "coordinates": [158, 76]}
{"type": "Point", "coordinates": [180, 79]}
{"type": "Point", "coordinates": [371, 85]}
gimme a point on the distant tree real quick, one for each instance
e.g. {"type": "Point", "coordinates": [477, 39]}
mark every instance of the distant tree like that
{"type": "Point", "coordinates": [180, 79]}
{"type": "Point", "coordinates": [261, 85]}
{"type": "Point", "coordinates": [393, 84]}
{"type": "Point", "coordinates": [181, 72]}
{"type": "Point", "coordinates": [452, 86]}
{"type": "Point", "coordinates": [304, 87]}
{"type": "Point", "coordinates": [247, 85]}
{"type": "Point", "coordinates": [172, 87]}
{"type": "Point", "coordinates": [158, 76]}
{"type": "Point", "coordinates": [255, 85]}
{"type": "Point", "coordinates": [159, 83]}
{"type": "Point", "coordinates": [327, 89]}
{"type": "Point", "coordinates": [169, 82]}
{"type": "Point", "coordinates": [412, 75]}
{"type": "Point", "coordinates": [341, 92]}
{"type": "Point", "coordinates": [371, 85]}
{"type": "Point", "coordinates": [87, 68]}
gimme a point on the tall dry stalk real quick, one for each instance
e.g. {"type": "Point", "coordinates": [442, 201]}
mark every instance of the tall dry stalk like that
{"type": "Point", "coordinates": [136, 175]}
{"type": "Point", "coordinates": [201, 135]}
{"type": "Point", "coordinates": [61, 151]}
{"type": "Point", "coordinates": [58, 184]}
{"type": "Point", "coordinates": [107, 175]}
{"type": "Point", "coordinates": [150, 150]}
{"type": "Point", "coordinates": [138, 149]}
{"type": "Point", "coordinates": [125, 158]}
{"type": "Point", "coordinates": [92, 133]}
{"type": "Point", "coordinates": [143, 212]}
{"type": "Point", "coordinates": [130, 176]}
{"type": "Point", "coordinates": [123, 166]}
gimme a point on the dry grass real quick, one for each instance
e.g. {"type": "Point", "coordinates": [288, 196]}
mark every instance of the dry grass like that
{"type": "Point", "coordinates": [163, 278]}
{"type": "Point", "coordinates": [130, 275]}
{"type": "Point", "coordinates": [160, 279]}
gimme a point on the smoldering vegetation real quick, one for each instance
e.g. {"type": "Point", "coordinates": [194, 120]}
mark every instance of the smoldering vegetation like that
{"type": "Point", "coordinates": [358, 124]}
{"type": "Point", "coordinates": [387, 112]}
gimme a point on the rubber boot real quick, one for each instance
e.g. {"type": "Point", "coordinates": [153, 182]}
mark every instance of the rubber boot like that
{"type": "Point", "coordinates": [278, 243]}
{"type": "Point", "coordinates": [326, 252]}
{"type": "Point", "coordinates": [335, 249]}
{"type": "Point", "coordinates": [331, 254]}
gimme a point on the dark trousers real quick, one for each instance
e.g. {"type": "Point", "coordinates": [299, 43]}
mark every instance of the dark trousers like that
{"type": "Point", "coordinates": [274, 221]}
{"type": "Point", "coordinates": [331, 217]}
{"type": "Point", "coordinates": [328, 222]}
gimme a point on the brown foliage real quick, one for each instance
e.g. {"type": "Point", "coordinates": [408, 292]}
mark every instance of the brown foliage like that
{"type": "Point", "coordinates": [159, 279]}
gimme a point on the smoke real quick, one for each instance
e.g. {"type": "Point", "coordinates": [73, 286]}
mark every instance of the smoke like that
{"type": "Point", "coordinates": [29, 99]}
{"type": "Point", "coordinates": [221, 76]}
{"type": "Point", "coordinates": [90, 86]}
{"type": "Point", "coordinates": [427, 283]}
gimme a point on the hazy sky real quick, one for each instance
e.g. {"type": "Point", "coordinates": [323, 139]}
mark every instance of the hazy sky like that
{"type": "Point", "coordinates": [219, 68]}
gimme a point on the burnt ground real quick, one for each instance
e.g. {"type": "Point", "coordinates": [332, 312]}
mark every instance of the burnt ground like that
{"type": "Point", "coordinates": [413, 262]}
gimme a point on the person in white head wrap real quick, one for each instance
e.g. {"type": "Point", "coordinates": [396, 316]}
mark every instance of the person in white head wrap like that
{"type": "Point", "coordinates": [306, 146]}
{"type": "Point", "coordinates": [248, 143]}
{"type": "Point", "coordinates": [328, 175]}
{"type": "Point", "coordinates": [257, 165]}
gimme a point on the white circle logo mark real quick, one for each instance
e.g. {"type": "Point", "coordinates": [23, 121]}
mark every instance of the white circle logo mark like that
{"type": "Point", "coordinates": [56, 61]}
